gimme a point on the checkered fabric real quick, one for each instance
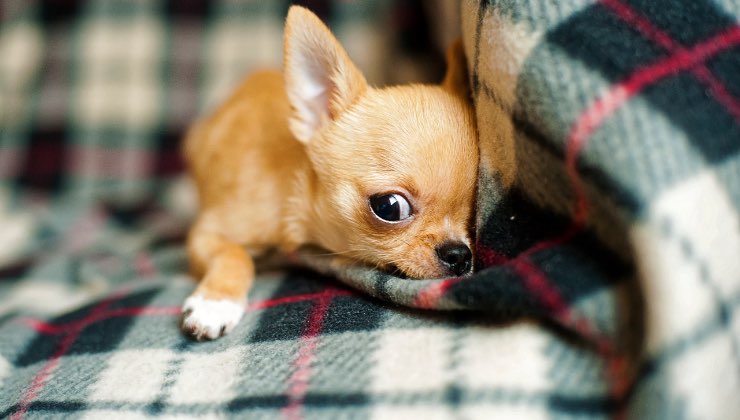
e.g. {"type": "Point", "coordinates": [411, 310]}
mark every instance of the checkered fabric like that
{"type": "Point", "coordinates": [608, 277]}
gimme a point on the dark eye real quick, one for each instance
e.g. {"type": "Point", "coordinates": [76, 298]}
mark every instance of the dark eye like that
{"type": "Point", "coordinates": [390, 207]}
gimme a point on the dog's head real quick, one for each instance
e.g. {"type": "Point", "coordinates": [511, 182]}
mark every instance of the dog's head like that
{"type": "Point", "coordinates": [395, 168]}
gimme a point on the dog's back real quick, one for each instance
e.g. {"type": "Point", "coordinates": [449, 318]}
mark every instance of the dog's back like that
{"type": "Point", "coordinates": [242, 158]}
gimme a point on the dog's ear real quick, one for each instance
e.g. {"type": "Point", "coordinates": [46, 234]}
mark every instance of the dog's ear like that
{"type": "Point", "coordinates": [456, 78]}
{"type": "Point", "coordinates": [320, 79]}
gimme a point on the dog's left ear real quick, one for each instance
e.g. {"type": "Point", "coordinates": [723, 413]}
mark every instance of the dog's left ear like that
{"type": "Point", "coordinates": [320, 79]}
{"type": "Point", "coordinates": [456, 78]}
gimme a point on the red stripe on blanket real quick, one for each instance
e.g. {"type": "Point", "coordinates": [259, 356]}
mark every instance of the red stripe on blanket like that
{"type": "Point", "coordinates": [324, 294]}
{"type": "Point", "coordinates": [300, 379]}
{"type": "Point", "coordinates": [538, 284]}
{"type": "Point", "coordinates": [655, 34]}
{"type": "Point", "coordinates": [642, 24]}
{"type": "Point", "coordinates": [592, 118]}
{"type": "Point", "coordinates": [47, 371]}
{"type": "Point", "coordinates": [51, 329]}
{"type": "Point", "coordinates": [429, 297]}
{"type": "Point", "coordinates": [720, 92]}
{"type": "Point", "coordinates": [298, 382]}
{"type": "Point", "coordinates": [586, 124]}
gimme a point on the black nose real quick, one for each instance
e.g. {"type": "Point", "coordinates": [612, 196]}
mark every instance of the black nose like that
{"type": "Point", "coordinates": [456, 256]}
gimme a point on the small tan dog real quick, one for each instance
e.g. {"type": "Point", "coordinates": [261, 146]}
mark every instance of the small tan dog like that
{"type": "Point", "coordinates": [383, 177]}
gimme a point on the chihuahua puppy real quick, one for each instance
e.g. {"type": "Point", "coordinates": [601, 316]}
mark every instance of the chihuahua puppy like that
{"type": "Point", "coordinates": [383, 177]}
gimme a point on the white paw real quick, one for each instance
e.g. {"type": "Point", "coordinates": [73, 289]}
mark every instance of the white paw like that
{"type": "Point", "coordinates": [208, 318]}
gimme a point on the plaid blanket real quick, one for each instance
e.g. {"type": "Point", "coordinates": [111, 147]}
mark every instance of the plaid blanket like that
{"type": "Point", "coordinates": [608, 277]}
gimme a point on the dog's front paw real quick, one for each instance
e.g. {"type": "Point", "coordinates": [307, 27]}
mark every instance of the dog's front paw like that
{"type": "Point", "coordinates": [207, 319]}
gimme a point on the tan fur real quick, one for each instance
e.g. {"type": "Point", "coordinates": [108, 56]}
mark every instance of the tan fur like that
{"type": "Point", "coordinates": [271, 174]}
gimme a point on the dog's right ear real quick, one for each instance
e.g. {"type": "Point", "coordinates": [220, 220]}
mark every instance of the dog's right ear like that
{"type": "Point", "coordinates": [320, 79]}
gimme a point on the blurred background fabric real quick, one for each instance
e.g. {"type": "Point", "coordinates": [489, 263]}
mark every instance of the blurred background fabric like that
{"type": "Point", "coordinates": [96, 95]}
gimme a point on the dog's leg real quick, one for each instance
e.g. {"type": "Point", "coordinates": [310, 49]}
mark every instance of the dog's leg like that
{"type": "Point", "coordinates": [226, 272]}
